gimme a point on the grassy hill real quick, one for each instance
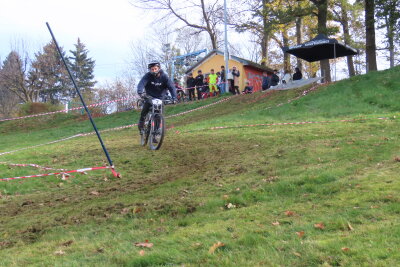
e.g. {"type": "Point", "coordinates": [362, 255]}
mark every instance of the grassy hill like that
{"type": "Point", "coordinates": [273, 194]}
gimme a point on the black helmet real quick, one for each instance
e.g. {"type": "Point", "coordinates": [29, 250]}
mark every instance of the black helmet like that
{"type": "Point", "coordinates": [154, 63]}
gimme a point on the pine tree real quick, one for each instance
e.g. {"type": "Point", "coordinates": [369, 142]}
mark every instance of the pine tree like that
{"type": "Point", "coordinates": [82, 68]}
{"type": "Point", "coordinates": [49, 76]}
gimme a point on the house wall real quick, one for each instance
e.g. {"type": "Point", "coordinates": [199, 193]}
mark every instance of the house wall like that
{"type": "Point", "coordinates": [254, 76]}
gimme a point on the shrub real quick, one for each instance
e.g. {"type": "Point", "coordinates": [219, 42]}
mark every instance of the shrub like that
{"type": "Point", "coordinates": [35, 108]}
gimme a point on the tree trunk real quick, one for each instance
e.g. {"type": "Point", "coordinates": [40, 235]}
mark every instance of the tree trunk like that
{"type": "Point", "coordinates": [286, 56]}
{"type": "Point", "coordinates": [265, 37]}
{"type": "Point", "coordinates": [370, 44]}
{"type": "Point", "coordinates": [322, 6]}
{"type": "Point", "coordinates": [390, 34]}
{"type": "Point", "coordinates": [347, 38]}
{"type": "Point", "coordinates": [299, 37]}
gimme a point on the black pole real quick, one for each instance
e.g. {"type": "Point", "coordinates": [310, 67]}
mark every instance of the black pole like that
{"type": "Point", "coordinates": [80, 96]}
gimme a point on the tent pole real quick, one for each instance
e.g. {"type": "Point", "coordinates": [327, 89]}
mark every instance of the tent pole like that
{"type": "Point", "coordinates": [334, 52]}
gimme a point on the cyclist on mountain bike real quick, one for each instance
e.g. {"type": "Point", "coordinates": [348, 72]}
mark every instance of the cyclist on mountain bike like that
{"type": "Point", "coordinates": [155, 83]}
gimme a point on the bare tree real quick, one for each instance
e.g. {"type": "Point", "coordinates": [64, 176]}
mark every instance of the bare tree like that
{"type": "Point", "coordinates": [200, 15]}
{"type": "Point", "coordinates": [141, 54]}
{"type": "Point", "coordinates": [189, 40]}
{"type": "Point", "coordinates": [13, 77]}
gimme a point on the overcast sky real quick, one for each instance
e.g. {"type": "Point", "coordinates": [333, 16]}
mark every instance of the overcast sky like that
{"type": "Point", "coordinates": [107, 28]}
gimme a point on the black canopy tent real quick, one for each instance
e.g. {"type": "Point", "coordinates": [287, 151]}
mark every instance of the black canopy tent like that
{"type": "Point", "coordinates": [320, 48]}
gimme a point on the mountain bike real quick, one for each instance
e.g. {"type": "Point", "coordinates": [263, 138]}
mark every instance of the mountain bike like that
{"type": "Point", "coordinates": [154, 128]}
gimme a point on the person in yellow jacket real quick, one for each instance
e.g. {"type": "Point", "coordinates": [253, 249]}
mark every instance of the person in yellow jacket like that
{"type": "Point", "coordinates": [212, 83]}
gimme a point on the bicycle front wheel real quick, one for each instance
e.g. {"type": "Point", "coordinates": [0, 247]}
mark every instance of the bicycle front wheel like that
{"type": "Point", "coordinates": [157, 132]}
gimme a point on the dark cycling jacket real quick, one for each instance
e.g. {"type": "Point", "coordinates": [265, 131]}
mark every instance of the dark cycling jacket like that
{"type": "Point", "coordinates": [156, 86]}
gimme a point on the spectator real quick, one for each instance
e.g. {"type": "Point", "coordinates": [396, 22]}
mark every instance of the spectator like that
{"type": "Point", "coordinates": [297, 75]}
{"type": "Point", "coordinates": [236, 75]}
{"type": "Point", "coordinates": [266, 81]}
{"type": "Point", "coordinates": [248, 89]}
{"type": "Point", "coordinates": [190, 84]}
{"type": "Point", "coordinates": [204, 90]}
{"type": "Point", "coordinates": [212, 83]}
{"type": "Point", "coordinates": [199, 83]}
{"type": "Point", "coordinates": [275, 78]}
{"type": "Point", "coordinates": [230, 83]}
{"type": "Point", "coordinates": [287, 77]}
{"type": "Point", "coordinates": [219, 81]}
{"type": "Point", "coordinates": [180, 94]}
{"type": "Point", "coordinates": [222, 81]}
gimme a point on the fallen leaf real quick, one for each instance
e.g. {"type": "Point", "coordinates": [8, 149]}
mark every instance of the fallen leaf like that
{"type": "Point", "coordinates": [141, 253]}
{"type": "Point", "coordinates": [350, 227]}
{"type": "Point", "coordinates": [59, 252]}
{"type": "Point", "coordinates": [138, 210]}
{"type": "Point", "coordinates": [144, 244]}
{"type": "Point", "coordinates": [319, 226]}
{"type": "Point", "coordinates": [197, 244]}
{"type": "Point", "coordinates": [276, 223]}
{"type": "Point", "coordinates": [67, 243]}
{"type": "Point", "coordinates": [125, 211]}
{"type": "Point", "coordinates": [289, 213]}
{"type": "Point", "coordinates": [345, 249]}
{"type": "Point", "coordinates": [230, 206]}
{"type": "Point", "coordinates": [94, 193]}
{"type": "Point", "coordinates": [238, 189]}
{"type": "Point", "coordinates": [300, 234]}
{"type": "Point", "coordinates": [225, 197]}
{"type": "Point", "coordinates": [215, 246]}
{"type": "Point", "coordinates": [297, 254]}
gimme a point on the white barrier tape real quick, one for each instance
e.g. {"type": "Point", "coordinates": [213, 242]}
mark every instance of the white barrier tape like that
{"type": "Point", "coordinates": [66, 110]}
{"type": "Point", "coordinates": [30, 165]}
{"type": "Point", "coordinates": [57, 173]}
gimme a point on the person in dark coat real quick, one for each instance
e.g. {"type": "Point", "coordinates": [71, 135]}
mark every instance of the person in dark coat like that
{"type": "Point", "coordinates": [191, 84]}
{"type": "Point", "coordinates": [266, 81]}
{"type": "Point", "coordinates": [297, 75]}
{"type": "Point", "coordinates": [275, 78]}
{"type": "Point", "coordinates": [199, 83]}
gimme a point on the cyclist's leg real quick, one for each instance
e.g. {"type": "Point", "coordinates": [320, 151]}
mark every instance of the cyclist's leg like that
{"type": "Point", "coordinates": [145, 110]}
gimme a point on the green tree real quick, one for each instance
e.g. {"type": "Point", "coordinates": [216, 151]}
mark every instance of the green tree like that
{"type": "Point", "coordinates": [49, 76]}
{"type": "Point", "coordinates": [82, 68]}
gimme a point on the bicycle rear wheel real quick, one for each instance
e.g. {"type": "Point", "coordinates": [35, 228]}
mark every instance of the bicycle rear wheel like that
{"type": "Point", "coordinates": [157, 132]}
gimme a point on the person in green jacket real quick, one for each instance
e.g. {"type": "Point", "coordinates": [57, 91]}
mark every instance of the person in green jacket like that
{"type": "Point", "coordinates": [212, 83]}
